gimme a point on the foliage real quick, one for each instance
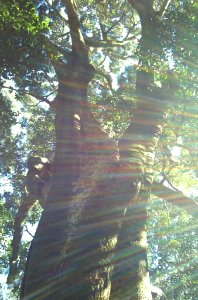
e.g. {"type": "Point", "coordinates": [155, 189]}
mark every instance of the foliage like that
{"type": "Point", "coordinates": [20, 22]}
{"type": "Point", "coordinates": [173, 243]}
{"type": "Point", "coordinates": [34, 35]}
{"type": "Point", "coordinates": [29, 131]}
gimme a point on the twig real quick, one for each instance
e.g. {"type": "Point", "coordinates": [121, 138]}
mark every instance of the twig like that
{"type": "Point", "coordinates": [118, 21]}
{"type": "Point", "coordinates": [26, 229]}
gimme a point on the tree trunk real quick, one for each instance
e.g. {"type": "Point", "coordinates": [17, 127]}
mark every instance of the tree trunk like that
{"type": "Point", "coordinates": [95, 215]}
{"type": "Point", "coordinates": [130, 280]}
{"type": "Point", "coordinates": [71, 251]}
{"type": "Point", "coordinates": [71, 255]}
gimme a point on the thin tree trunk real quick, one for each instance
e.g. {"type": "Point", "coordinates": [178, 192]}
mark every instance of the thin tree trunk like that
{"type": "Point", "coordinates": [22, 213]}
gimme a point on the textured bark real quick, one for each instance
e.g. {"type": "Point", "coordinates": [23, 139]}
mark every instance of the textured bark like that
{"type": "Point", "coordinates": [24, 208]}
{"type": "Point", "coordinates": [72, 248]}
{"type": "Point", "coordinates": [97, 203]}
{"type": "Point", "coordinates": [62, 262]}
{"type": "Point", "coordinates": [130, 279]}
{"type": "Point", "coordinates": [137, 152]}
{"type": "Point", "coordinates": [69, 257]}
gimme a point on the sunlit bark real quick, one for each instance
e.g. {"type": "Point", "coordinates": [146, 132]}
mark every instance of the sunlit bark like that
{"type": "Point", "coordinates": [95, 214]}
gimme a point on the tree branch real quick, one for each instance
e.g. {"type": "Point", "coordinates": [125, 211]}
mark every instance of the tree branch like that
{"type": "Point", "coordinates": [57, 11]}
{"type": "Point", "coordinates": [175, 198]}
{"type": "Point", "coordinates": [54, 47]}
{"type": "Point", "coordinates": [105, 75]}
{"type": "Point", "coordinates": [119, 20]}
{"type": "Point", "coordinates": [102, 44]}
{"type": "Point", "coordinates": [170, 183]}
{"type": "Point", "coordinates": [42, 99]}
{"type": "Point", "coordinates": [127, 38]}
{"type": "Point", "coordinates": [26, 229]}
{"type": "Point", "coordinates": [163, 8]}
{"type": "Point", "coordinates": [144, 8]}
{"type": "Point", "coordinates": [78, 43]}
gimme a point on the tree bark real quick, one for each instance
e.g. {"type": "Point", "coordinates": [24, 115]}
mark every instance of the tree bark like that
{"type": "Point", "coordinates": [95, 214]}
{"type": "Point", "coordinates": [70, 252]}
{"type": "Point", "coordinates": [130, 279]}
{"type": "Point", "coordinates": [24, 208]}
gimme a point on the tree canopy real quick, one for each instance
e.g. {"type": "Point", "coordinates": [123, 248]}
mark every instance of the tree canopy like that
{"type": "Point", "coordinates": [127, 51]}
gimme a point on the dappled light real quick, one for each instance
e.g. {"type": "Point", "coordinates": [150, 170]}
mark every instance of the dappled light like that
{"type": "Point", "coordinates": [99, 150]}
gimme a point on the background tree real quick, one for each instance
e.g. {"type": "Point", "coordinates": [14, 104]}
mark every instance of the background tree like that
{"type": "Point", "coordinates": [90, 197]}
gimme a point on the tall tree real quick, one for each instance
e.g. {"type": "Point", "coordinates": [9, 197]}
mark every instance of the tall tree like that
{"type": "Point", "coordinates": [91, 239]}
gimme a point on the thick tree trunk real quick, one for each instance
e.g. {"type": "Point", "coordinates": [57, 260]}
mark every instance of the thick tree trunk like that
{"type": "Point", "coordinates": [72, 248]}
{"type": "Point", "coordinates": [97, 203]}
{"type": "Point", "coordinates": [130, 279]}
{"type": "Point", "coordinates": [137, 151]}
{"type": "Point", "coordinates": [72, 253]}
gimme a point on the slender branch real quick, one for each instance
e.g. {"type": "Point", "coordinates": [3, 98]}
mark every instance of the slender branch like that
{"type": "Point", "coordinates": [62, 35]}
{"type": "Point", "coordinates": [104, 33]}
{"type": "Point", "coordinates": [42, 99]}
{"type": "Point", "coordinates": [105, 75]}
{"type": "Point", "coordinates": [127, 38]}
{"type": "Point", "coordinates": [163, 8]}
{"type": "Point", "coordinates": [170, 183]}
{"type": "Point", "coordinates": [26, 229]}
{"type": "Point", "coordinates": [102, 62]}
{"type": "Point", "coordinates": [102, 44]}
{"type": "Point", "coordinates": [99, 83]}
{"type": "Point", "coordinates": [118, 21]}
{"type": "Point", "coordinates": [90, 42]}
{"type": "Point", "coordinates": [55, 47]}
{"type": "Point", "coordinates": [175, 198]}
{"type": "Point", "coordinates": [57, 12]}
{"type": "Point", "coordinates": [119, 56]}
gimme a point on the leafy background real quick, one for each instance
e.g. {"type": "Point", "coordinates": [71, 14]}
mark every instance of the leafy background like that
{"type": "Point", "coordinates": [34, 34]}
